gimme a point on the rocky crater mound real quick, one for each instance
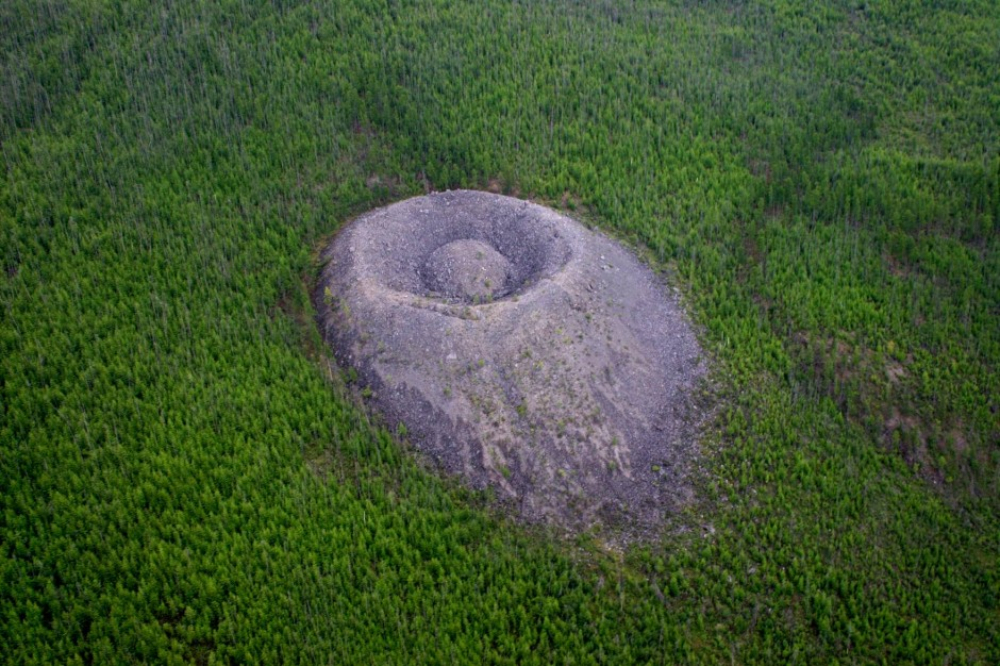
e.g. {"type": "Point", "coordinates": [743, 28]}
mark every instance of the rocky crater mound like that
{"type": "Point", "coordinates": [521, 351]}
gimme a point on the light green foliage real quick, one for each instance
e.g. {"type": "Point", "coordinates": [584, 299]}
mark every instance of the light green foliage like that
{"type": "Point", "coordinates": [182, 481]}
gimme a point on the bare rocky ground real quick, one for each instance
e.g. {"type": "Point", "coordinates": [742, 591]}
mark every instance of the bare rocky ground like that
{"type": "Point", "coordinates": [521, 351]}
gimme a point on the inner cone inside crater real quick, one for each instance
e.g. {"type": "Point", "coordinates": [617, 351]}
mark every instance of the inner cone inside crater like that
{"type": "Point", "coordinates": [521, 351]}
{"type": "Point", "coordinates": [467, 269]}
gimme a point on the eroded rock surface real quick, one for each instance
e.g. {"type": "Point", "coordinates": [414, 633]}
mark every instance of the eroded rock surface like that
{"type": "Point", "coordinates": [520, 350]}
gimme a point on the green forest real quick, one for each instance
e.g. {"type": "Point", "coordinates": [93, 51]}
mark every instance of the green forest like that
{"type": "Point", "coordinates": [185, 477]}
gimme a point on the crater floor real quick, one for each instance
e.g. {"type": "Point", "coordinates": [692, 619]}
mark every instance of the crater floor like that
{"type": "Point", "coordinates": [521, 351]}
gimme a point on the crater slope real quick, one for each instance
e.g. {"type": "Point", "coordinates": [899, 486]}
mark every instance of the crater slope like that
{"type": "Point", "coordinates": [521, 351]}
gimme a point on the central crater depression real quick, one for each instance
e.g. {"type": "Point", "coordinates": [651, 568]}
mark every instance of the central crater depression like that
{"type": "Point", "coordinates": [522, 351]}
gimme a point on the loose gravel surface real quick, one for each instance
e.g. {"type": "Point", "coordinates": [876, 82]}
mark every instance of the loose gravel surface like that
{"type": "Point", "coordinates": [521, 351]}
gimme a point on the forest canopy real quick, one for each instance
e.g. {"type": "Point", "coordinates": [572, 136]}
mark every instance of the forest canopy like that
{"type": "Point", "coordinates": [184, 478]}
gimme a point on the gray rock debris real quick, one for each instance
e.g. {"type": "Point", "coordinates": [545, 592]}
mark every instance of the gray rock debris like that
{"type": "Point", "coordinates": [522, 351]}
